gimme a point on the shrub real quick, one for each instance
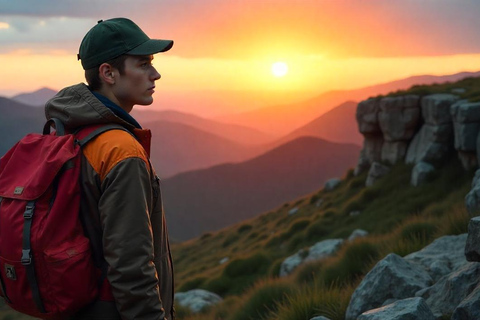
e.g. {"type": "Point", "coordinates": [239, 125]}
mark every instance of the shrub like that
{"type": "Point", "coordinates": [244, 228]}
{"type": "Point", "coordinates": [314, 198]}
{"type": "Point", "coordinates": [310, 302]}
{"type": "Point", "coordinates": [418, 230]}
{"type": "Point", "coordinates": [230, 239]}
{"type": "Point", "coordinates": [192, 284]}
{"type": "Point", "coordinates": [298, 225]}
{"type": "Point", "coordinates": [354, 261]}
{"type": "Point", "coordinates": [308, 272]}
{"type": "Point", "coordinates": [316, 231]}
{"type": "Point", "coordinates": [263, 299]}
{"type": "Point", "coordinates": [256, 264]}
{"type": "Point", "coordinates": [221, 285]}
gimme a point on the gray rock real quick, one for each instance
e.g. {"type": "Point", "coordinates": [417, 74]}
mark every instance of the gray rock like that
{"type": "Point", "coordinates": [332, 184]}
{"type": "Point", "coordinates": [399, 117]}
{"type": "Point", "coordinates": [197, 299]}
{"type": "Point", "coordinates": [224, 260]}
{"type": "Point", "coordinates": [466, 124]}
{"type": "Point", "coordinates": [372, 146]}
{"type": "Point", "coordinates": [293, 211]}
{"type": "Point", "coordinates": [407, 309]}
{"type": "Point", "coordinates": [465, 112]}
{"type": "Point", "coordinates": [363, 164]}
{"type": "Point", "coordinates": [472, 199]}
{"type": "Point", "coordinates": [465, 136]}
{"type": "Point", "coordinates": [320, 318]}
{"type": "Point", "coordinates": [458, 90]}
{"type": "Point", "coordinates": [442, 256]}
{"type": "Point", "coordinates": [367, 116]}
{"type": "Point", "coordinates": [472, 247]}
{"type": "Point", "coordinates": [323, 249]}
{"type": "Point", "coordinates": [354, 213]}
{"type": "Point", "coordinates": [291, 263]}
{"type": "Point", "coordinates": [436, 108]}
{"type": "Point", "coordinates": [394, 151]}
{"type": "Point", "coordinates": [377, 171]}
{"type": "Point", "coordinates": [420, 173]}
{"type": "Point", "coordinates": [469, 308]}
{"type": "Point", "coordinates": [431, 144]}
{"type": "Point", "coordinates": [391, 278]}
{"type": "Point", "coordinates": [357, 233]}
{"type": "Point", "coordinates": [445, 295]}
{"type": "Point", "coordinates": [320, 250]}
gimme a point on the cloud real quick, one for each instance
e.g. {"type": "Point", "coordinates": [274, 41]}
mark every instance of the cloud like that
{"type": "Point", "coordinates": [232, 29]}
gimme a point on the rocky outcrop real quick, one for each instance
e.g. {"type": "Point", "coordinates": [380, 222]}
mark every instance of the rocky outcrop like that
{"type": "Point", "coordinates": [196, 300]}
{"type": "Point", "coordinates": [438, 276]}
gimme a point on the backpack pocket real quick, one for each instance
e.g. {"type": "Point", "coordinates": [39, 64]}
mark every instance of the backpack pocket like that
{"type": "Point", "coordinates": [17, 287]}
{"type": "Point", "coordinates": [72, 276]}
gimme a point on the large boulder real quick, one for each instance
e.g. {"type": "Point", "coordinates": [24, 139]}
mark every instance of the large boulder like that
{"type": "Point", "coordinates": [377, 171]}
{"type": "Point", "coordinates": [436, 108]}
{"type": "Point", "coordinates": [420, 173]}
{"type": "Point", "coordinates": [466, 123]}
{"type": "Point", "coordinates": [392, 278]}
{"type": "Point", "coordinates": [469, 308]}
{"type": "Point", "coordinates": [407, 309]}
{"type": "Point", "coordinates": [196, 300]}
{"type": "Point", "coordinates": [472, 247]}
{"type": "Point", "coordinates": [431, 144]}
{"type": "Point", "coordinates": [445, 295]}
{"type": "Point", "coordinates": [442, 256]}
{"type": "Point", "coordinates": [371, 152]}
{"type": "Point", "coordinates": [399, 117]}
{"type": "Point", "coordinates": [367, 116]}
{"type": "Point", "coordinates": [394, 151]}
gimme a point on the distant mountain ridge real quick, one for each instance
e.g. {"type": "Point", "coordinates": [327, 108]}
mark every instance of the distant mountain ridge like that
{"type": "Point", "coordinates": [237, 133]}
{"type": "Point", "coordinates": [206, 200]}
{"type": "Point", "coordinates": [36, 98]}
{"type": "Point", "coordinates": [282, 119]}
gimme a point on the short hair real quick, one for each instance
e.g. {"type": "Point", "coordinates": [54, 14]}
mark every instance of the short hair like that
{"type": "Point", "coordinates": [92, 74]}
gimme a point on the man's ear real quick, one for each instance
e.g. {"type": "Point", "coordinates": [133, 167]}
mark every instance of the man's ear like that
{"type": "Point", "coordinates": [106, 73]}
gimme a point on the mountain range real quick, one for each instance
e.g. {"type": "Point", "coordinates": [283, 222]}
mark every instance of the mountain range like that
{"type": "Point", "coordinates": [204, 200]}
{"type": "Point", "coordinates": [215, 173]}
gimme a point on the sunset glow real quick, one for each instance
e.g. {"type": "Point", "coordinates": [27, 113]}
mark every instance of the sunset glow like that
{"type": "Point", "coordinates": [315, 45]}
{"type": "Point", "coordinates": [279, 69]}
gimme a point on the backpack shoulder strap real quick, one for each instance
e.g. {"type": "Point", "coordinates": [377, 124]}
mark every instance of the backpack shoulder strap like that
{"type": "Point", "coordinates": [85, 135]}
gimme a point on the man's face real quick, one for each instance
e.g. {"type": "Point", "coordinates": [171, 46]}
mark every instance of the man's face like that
{"type": "Point", "coordinates": [136, 85]}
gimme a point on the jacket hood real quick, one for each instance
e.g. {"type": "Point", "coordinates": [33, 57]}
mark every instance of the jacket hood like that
{"type": "Point", "coordinates": [76, 106]}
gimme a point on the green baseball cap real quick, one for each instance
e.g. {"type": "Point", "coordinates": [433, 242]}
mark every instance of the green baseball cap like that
{"type": "Point", "coordinates": [114, 37]}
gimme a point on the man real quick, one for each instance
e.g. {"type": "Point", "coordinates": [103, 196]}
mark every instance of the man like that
{"type": "Point", "coordinates": [121, 201]}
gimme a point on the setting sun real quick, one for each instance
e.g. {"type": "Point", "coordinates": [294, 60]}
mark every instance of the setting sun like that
{"type": "Point", "coordinates": [279, 69]}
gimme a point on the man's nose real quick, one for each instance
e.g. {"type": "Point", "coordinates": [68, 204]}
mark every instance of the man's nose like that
{"type": "Point", "coordinates": [155, 74]}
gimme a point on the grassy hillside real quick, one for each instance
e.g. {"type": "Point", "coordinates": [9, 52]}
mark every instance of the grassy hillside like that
{"type": "Point", "coordinates": [400, 218]}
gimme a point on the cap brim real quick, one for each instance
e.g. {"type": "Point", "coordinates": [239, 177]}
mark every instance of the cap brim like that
{"type": "Point", "coordinates": [151, 46]}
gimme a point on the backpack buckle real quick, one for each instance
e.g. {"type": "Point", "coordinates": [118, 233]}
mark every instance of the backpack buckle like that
{"type": "Point", "coordinates": [28, 214]}
{"type": "Point", "coordinates": [26, 258]}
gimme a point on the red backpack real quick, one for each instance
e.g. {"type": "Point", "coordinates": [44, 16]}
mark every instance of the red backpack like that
{"type": "Point", "coordinates": [46, 264]}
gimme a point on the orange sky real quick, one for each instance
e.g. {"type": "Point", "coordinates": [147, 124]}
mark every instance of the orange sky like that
{"type": "Point", "coordinates": [230, 45]}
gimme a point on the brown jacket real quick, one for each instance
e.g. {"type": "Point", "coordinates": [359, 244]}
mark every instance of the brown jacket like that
{"type": "Point", "coordinates": [121, 195]}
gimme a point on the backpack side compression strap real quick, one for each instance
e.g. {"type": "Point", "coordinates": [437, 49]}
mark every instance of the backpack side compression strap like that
{"type": "Point", "coordinates": [26, 259]}
{"type": "Point", "coordinates": [2, 284]}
